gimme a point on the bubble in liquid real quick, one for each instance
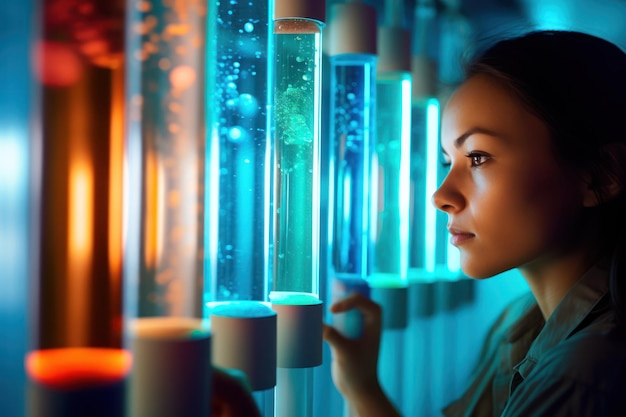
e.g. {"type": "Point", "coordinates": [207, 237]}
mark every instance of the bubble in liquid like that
{"type": "Point", "coordinates": [306, 77]}
{"type": "Point", "coordinates": [248, 105]}
{"type": "Point", "coordinates": [236, 134]}
{"type": "Point", "coordinates": [248, 27]}
{"type": "Point", "coordinates": [182, 77]}
{"type": "Point", "coordinates": [299, 59]}
{"type": "Point", "coordinates": [351, 96]}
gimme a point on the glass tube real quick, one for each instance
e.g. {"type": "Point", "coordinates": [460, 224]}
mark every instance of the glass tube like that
{"type": "Point", "coordinates": [239, 164]}
{"type": "Point", "coordinates": [239, 152]}
{"type": "Point", "coordinates": [389, 275]}
{"type": "Point", "coordinates": [390, 199]}
{"type": "Point", "coordinates": [296, 181]}
{"type": "Point", "coordinates": [18, 184]}
{"type": "Point", "coordinates": [352, 50]}
{"type": "Point", "coordinates": [298, 52]}
{"type": "Point", "coordinates": [166, 153]}
{"type": "Point", "coordinates": [424, 171]}
{"type": "Point", "coordinates": [79, 64]}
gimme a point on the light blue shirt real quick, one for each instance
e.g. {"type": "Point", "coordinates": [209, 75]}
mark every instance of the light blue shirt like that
{"type": "Point", "coordinates": [572, 365]}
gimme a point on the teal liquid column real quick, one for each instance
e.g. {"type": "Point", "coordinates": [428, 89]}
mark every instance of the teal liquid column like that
{"type": "Point", "coordinates": [351, 44]}
{"type": "Point", "coordinates": [390, 191]}
{"type": "Point", "coordinates": [239, 179]}
{"type": "Point", "coordinates": [421, 343]}
{"type": "Point", "coordinates": [169, 339]}
{"type": "Point", "coordinates": [295, 286]}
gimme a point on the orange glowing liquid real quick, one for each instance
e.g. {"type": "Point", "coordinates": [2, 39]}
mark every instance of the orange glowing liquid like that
{"type": "Point", "coordinates": [71, 368]}
{"type": "Point", "coordinates": [79, 64]}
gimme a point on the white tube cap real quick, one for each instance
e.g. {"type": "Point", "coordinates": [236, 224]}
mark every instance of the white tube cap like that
{"type": "Point", "coordinates": [351, 29]}
{"type": "Point", "coordinates": [308, 9]}
{"type": "Point", "coordinates": [244, 338]}
{"type": "Point", "coordinates": [424, 73]}
{"type": "Point", "coordinates": [299, 330]}
{"type": "Point", "coordinates": [171, 373]}
{"type": "Point", "coordinates": [394, 49]}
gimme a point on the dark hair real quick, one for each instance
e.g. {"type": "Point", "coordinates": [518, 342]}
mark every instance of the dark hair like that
{"type": "Point", "coordinates": [576, 84]}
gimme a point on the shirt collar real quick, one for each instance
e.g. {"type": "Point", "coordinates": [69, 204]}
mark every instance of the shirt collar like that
{"type": "Point", "coordinates": [568, 315]}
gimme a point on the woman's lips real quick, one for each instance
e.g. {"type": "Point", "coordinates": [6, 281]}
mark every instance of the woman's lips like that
{"type": "Point", "coordinates": [459, 236]}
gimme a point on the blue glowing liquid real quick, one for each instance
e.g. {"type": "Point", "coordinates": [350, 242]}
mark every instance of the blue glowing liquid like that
{"type": "Point", "coordinates": [296, 181]}
{"type": "Point", "coordinates": [418, 239]}
{"type": "Point", "coordinates": [352, 111]}
{"type": "Point", "coordinates": [166, 104]}
{"type": "Point", "coordinates": [238, 171]}
{"type": "Point", "coordinates": [391, 171]}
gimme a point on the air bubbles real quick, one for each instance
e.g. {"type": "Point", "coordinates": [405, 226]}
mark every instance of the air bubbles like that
{"type": "Point", "coordinates": [236, 134]}
{"type": "Point", "coordinates": [306, 77]}
{"type": "Point", "coordinates": [248, 27]}
{"type": "Point", "coordinates": [248, 105]}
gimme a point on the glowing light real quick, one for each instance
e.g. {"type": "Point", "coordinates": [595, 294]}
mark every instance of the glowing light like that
{"type": "Point", "coordinates": [78, 367]}
{"type": "Point", "coordinates": [57, 64]}
{"type": "Point", "coordinates": [182, 77]}
{"type": "Point", "coordinates": [432, 156]}
{"type": "Point", "coordinates": [116, 176]}
{"type": "Point", "coordinates": [80, 250]}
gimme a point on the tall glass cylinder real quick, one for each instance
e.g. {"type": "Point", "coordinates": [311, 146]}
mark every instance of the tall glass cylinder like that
{"type": "Point", "coordinates": [239, 180]}
{"type": "Point", "coordinates": [79, 64]}
{"type": "Point", "coordinates": [166, 153]}
{"type": "Point", "coordinates": [18, 182]}
{"type": "Point", "coordinates": [352, 49]}
{"type": "Point", "coordinates": [295, 286]}
{"type": "Point", "coordinates": [389, 275]}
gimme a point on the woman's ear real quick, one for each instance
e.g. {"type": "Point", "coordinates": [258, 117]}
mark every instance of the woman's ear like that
{"type": "Point", "coordinates": [606, 177]}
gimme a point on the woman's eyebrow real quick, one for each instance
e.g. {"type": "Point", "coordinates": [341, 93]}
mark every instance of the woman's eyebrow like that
{"type": "Point", "coordinates": [473, 131]}
{"type": "Point", "coordinates": [458, 142]}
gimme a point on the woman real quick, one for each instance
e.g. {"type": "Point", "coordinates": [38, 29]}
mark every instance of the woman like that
{"type": "Point", "coordinates": [537, 153]}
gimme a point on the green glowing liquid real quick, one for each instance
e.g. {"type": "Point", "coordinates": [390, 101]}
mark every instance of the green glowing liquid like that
{"type": "Point", "coordinates": [296, 187]}
{"type": "Point", "coordinates": [391, 149]}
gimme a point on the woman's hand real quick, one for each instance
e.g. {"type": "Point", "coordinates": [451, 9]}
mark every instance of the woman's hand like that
{"type": "Point", "coordinates": [230, 397]}
{"type": "Point", "coordinates": [355, 361]}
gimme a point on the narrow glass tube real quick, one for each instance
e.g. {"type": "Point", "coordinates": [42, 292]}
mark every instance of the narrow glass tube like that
{"type": "Point", "coordinates": [18, 187]}
{"type": "Point", "coordinates": [79, 64]}
{"type": "Point", "coordinates": [424, 170]}
{"type": "Point", "coordinates": [297, 100]}
{"type": "Point", "coordinates": [166, 153]}
{"type": "Point", "coordinates": [353, 78]}
{"type": "Point", "coordinates": [297, 135]}
{"type": "Point", "coordinates": [351, 46]}
{"type": "Point", "coordinates": [239, 180]}
{"type": "Point", "coordinates": [391, 188]}
{"type": "Point", "coordinates": [239, 150]}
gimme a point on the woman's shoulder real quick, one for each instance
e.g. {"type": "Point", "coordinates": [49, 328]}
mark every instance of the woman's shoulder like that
{"type": "Point", "coordinates": [596, 356]}
{"type": "Point", "coordinates": [583, 375]}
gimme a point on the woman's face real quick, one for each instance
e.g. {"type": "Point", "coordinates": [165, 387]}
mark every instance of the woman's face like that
{"type": "Point", "coordinates": [509, 202]}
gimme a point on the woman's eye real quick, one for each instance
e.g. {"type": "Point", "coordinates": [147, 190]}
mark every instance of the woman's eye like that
{"type": "Point", "coordinates": [477, 159]}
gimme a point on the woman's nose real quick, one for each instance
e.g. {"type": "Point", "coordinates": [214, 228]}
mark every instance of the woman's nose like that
{"type": "Point", "coordinates": [447, 197]}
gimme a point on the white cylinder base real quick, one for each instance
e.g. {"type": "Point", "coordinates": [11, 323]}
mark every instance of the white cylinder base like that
{"type": "Point", "coordinates": [299, 329]}
{"type": "Point", "coordinates": [171, 373]}
{"type": "Point", "coordinates": [244, 338]}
